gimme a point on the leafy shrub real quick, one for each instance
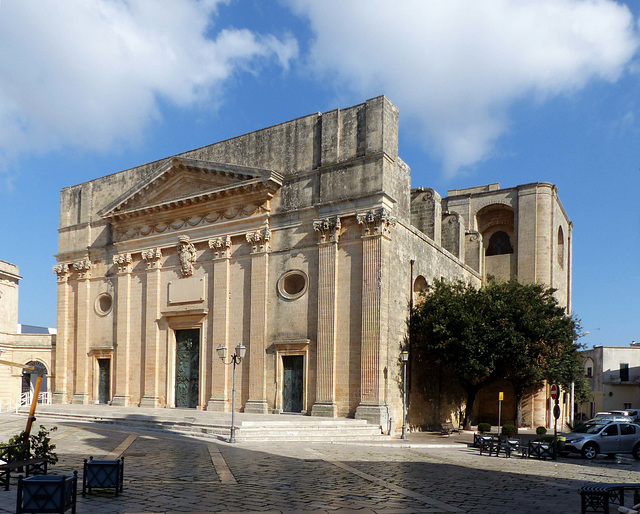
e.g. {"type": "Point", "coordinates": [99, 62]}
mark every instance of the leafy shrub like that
{"type": "Point", "coordinates": [509, 430]}
{"type": "Point", "coordinates": [484, 427]}
{"type": "Point", "coordinates": [40, 444]}
{"type": "Point", "coordinates": [541, 430]}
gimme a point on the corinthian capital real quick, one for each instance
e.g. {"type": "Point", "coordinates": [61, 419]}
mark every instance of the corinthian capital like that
{"type": "Point", "coordinates": [152, 257]}
{"type": "Point", "coordinates": [328, 229]}
{"type": "Point", "coordinates": [220, 246]}
{"type": "Point", "coordinates": [123, 262]}
{"type": "Point", "coordinates": [62, 270]}
{"type": "Point", "coordinates": [83, 268]}
{"type": "Point", "coordinates": [378, 222]}
{"type": "Point", "coordinates": [259, 240]}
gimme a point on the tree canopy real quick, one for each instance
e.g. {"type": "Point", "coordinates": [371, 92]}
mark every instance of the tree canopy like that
{"type": "Point", "coordinates": [503, 330]}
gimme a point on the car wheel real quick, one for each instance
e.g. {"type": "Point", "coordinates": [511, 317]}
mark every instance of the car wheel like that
{"type": "Point", "coordinates": [636, 452]}
{"type": "Point", "coordinates": [589, 451]}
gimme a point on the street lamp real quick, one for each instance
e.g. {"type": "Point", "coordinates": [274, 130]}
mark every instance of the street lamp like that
{"type": "Point", "coordinates": [236, 358]}
{"type": "Point", "coordinates": [405, 359]}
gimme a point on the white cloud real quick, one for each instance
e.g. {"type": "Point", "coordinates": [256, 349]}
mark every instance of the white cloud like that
{"type": "Point", "coordinates": [456, 66]}
{"type": "Point", "coordinates": [91, 73]}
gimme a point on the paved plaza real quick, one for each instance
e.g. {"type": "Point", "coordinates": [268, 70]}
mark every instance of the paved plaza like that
{"type": "Point", "coordinates": [426, 473]}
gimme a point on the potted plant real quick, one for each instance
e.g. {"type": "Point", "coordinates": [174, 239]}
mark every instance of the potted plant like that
{"type": "Point", "coordinates": [509, 430]}
{"type": "Point", "coordinates": [484, 427]}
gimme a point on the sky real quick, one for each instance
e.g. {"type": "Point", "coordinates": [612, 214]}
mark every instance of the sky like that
{"type": "Point", "coordinates": [508, 91]}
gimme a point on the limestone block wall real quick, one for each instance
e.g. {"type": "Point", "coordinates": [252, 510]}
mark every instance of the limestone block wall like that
{"type": "Point", "coordinates": [415, 258]}
{"type": "Point", "coordinates": [352, 150]}
{"type": "Point", "coordinates": [426, 212]}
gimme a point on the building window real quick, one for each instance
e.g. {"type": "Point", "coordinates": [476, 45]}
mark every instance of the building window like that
{"type": "Point", "coordinates": [624, 372]}
{"type": "Point", "coordinates": [104, 304]}
{"type": "Point", "coordinates": [627, 406]}
{"type": "Point", "coordinates": [499, 244]}
{"type": "Point", "coordinates": [560, 247]}
{"type": "Point", "coordinates": [293, 284]}
{"type": "Point", "coordinates": [589, 372]}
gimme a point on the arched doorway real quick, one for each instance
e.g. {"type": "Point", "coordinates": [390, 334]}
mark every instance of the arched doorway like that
{"type": "Point", "coordinates": [29, 378]}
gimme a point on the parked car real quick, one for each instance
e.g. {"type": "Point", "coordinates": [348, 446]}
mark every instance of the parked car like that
{"type": "Point", "coordinates": [614, 417]}
{"type": "Point", "coordinates": [634, 414]}
{"type": "Point", "coordinates": [594, 437]}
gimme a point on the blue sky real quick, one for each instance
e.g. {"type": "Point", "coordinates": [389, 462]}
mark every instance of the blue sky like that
{"type": "Point", "coordinates": [495, 91]}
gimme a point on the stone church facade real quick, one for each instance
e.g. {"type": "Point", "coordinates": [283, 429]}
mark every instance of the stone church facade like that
{"type": "Point", "coordinates": [304, 241]}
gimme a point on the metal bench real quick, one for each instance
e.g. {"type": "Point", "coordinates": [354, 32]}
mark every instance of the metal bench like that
{"type": "Point", "coordinates": [447, 428]}
{"type": "Point", "coordinates": [15, 457]}
{"type": "Point", "coordinates": [540, 450]}
{"type": "Point", "coordinates": [597, 497]}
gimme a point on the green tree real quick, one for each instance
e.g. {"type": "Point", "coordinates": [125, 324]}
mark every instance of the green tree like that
{"type": "Point", "coordinates": [539, 340]}
{"type": "Point", "coordinates": [448, 330]}
{"type": "Point", "coordinates": [503, 330]}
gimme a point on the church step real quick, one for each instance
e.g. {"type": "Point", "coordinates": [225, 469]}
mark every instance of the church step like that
{"type": "Point", "coordinates": [297, 429]}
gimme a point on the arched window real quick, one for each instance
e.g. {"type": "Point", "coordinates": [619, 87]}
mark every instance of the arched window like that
{"type": "Point", "coordinates": [29, 378]}
{"type": "Point", "coordinates": [499, 244]}
{"type": "Point", "coordinates": [420, 287]}
{"type": "Point", "coordinates": [560, 247]}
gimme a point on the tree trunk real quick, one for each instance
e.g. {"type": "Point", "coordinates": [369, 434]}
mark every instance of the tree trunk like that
{"type": "Point", "coordinates": [471, 396]}
{"type": "Point", "coordinates": [518, 416]}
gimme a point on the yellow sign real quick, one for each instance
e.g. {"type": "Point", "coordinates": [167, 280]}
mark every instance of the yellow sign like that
{"type": "Point", "coordinates": [500, 396]}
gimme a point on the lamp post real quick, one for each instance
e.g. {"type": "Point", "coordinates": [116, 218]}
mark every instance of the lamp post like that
{"type": "Point", "coordinates": [405, 359]}
{"type": "Point", "coordinates": [236, 358]}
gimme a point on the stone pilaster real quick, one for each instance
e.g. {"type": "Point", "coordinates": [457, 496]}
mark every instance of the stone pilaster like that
{"type": "Point", "coordinates": [376, 225]}
{"type": "Point", "coordinates": [122, 349]}
{"type": "Point", "coordinates": [152, 365]}
{"type": "Point", "coordinates": [64, 365]}
{"type": "Point", "coordinates": [259, 240]}
{"type": "Point", "coordinates": [81, 391]}
{"type": "Point", "coordinates": [219, 327]}
{"type": "Point", "coordinates": [328, 230]}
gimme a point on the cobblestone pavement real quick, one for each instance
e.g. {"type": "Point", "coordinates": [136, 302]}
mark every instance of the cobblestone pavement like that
{"type": "Point", "coordinates": [165, 473]}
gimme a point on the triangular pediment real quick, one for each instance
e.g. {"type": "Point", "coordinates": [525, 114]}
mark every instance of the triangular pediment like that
{"type": "Point", "coordinates": [186, 182]}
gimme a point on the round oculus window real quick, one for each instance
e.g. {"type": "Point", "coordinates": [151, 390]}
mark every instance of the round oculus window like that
{"type": "Point", "coordinates": [104, 304]}
{"type": "Point", "coordinates": [293, 284]}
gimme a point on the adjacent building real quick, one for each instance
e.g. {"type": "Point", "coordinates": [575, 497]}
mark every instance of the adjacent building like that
{"type": "Point", "coordinates": [26, 345]}
{"type": "Point", "coordinates": [305, 242]}
{"type": "Point", "coordinates": [613, 374]}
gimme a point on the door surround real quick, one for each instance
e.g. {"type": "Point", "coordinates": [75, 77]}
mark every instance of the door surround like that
{"type": "Point", "coordinates": [286, 348]}
{"type": "Point", "coordinates": [184, 319]}
{"type": "Point", "coordinates": [100, 354]}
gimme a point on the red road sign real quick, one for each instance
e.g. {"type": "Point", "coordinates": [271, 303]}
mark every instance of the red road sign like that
{"type": "Point", "coordinates": [555, 392]}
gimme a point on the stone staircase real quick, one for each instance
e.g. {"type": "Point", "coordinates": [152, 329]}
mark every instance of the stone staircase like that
{"type": "Point", "coordinates": [313, 430]}
{"type": "Point", "coordinates": [250, 428]}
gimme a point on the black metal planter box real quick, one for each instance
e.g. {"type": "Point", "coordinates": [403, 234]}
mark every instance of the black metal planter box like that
{"type": "Point", "coordinates": [103, 474]}
{"type": "Point", "coordinates": [47, 493]}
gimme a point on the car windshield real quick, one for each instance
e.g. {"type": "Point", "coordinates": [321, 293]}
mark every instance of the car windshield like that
{"type": "Point", "coordinates": [589, 428]}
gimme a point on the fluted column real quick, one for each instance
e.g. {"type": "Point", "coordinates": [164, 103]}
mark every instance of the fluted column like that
{"type": "Point", "coordinates": [81, 390]}
{"type": "Point", "coordinates": [328, 230]}
{"type": "Point", "coordinates": [259, 240]}
{"type": "Point", "coordinates": [219, 328]}
{"type": "Point", "coordinates": [64, 345]}
{"type": "Point", "coordinates": [376, 225]}
{"type": "Point", "coordinates": [122, 350]}
{"type": "Point", "coordinates": [152, 365]}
